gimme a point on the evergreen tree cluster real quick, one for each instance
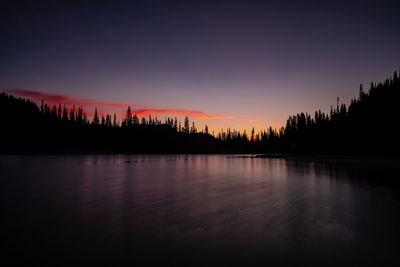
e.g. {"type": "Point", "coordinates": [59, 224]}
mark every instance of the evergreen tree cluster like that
{"type": "Point", "coordinates": [368, 126]}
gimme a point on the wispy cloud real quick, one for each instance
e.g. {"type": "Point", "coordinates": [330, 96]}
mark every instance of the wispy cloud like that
{"type": "Point", "coordinates": [53, 99]}
{"type": "Point", "coordinates": [103, 107]}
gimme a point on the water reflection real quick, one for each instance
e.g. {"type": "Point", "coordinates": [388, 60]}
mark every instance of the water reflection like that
{"type": "Point", "coordinates": [378, 172]}
{"type": "Point", "coordinates": [115, 209]}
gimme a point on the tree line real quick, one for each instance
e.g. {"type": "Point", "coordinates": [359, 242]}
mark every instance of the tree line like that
{"type": "Point", "coordinates": [367, 126]}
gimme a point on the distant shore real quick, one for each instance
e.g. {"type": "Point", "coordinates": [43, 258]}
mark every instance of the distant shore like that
{"type": "Point", "coordinates": [330, 158]}
{"type": "Point", "coordinates": [324, 157]}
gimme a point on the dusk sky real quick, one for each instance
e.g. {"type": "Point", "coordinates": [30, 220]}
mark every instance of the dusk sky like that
{"type": "Point", "coordinates": [233, 64]}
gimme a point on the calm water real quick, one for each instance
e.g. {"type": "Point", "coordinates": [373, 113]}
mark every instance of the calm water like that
{"type": "Point", "coordinates": [194, 209]}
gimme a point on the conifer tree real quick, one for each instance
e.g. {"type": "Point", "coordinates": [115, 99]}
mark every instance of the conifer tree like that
{"type": "Point", "coordinates": [95, 117]}
{"type": "Point", "coordinates": [186, 125]}
{"type": "Point", "coordinates": [128, 117]}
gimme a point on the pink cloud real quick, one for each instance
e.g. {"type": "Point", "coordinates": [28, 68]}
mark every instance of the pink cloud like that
{"type": "Point", "coordinates": [55, 99]}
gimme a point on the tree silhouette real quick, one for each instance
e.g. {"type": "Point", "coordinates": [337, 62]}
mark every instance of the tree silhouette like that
{"type": "Point", "coordinates": [367, 126]}
{"type": "Point", "coordinates": [186, 125]}
{"type": "Point", "coordinates": [128, 117]}
{"type": "Point", "coordinates": [115, 120]}
{"type": "Point", "coordinates": [95, 117]}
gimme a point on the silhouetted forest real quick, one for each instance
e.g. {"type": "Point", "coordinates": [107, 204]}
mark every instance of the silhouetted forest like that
{"type": "Point", "coordinates": [368, 126]}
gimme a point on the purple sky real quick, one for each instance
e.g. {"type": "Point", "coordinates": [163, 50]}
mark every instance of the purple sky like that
{"type": "Point", "coordinates": [255, 62]}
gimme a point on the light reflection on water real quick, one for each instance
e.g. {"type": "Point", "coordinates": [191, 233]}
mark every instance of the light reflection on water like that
{"type": "Point", "coordinates": [198, 209]}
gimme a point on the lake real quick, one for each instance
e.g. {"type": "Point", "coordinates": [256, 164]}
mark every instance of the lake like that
{"type": "Point", "coordinates": [69, 210]}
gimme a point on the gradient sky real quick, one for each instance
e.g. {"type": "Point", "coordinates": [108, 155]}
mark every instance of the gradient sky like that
{"type": "Point", "coordinates": [241, 63]}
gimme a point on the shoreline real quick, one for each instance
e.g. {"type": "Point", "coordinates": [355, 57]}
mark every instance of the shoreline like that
{"type": "Point", "coordinates": [323, 157]}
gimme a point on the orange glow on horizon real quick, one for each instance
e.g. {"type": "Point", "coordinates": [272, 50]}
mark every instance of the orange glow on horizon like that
{"type": "Point", "coordinates": [215, 122]}
{"type": "Point", "coordinates": [190, 113]}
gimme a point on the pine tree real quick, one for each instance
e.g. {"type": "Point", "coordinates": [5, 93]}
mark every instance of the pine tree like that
{"type": "Point", "coordinates": [65, 113]}
{"type": "Point", "coordinates": [108, 120]}
{"type": "Point", "coordinates": [115, 120]}
{"type": "Point", "coordinates": [194, 130]}
{"type": "Point", "coordinates": [42, 107]}
{"type": "Point", "coordinates": [59, 111]}
{"type": "Point", "coordinates": [79, 118]}
{"type": "Point", "coordinates": [135, 120]}
{"type": "Point", "coordinates": [128, 117]}
{"type": "Point", "coordinates": [361, 95]}
{"type": "Point", "coordinates": [186, 125]}
{"type": "Point", "coordinates": [95, 117]}
{"type": "Point", "coordinates": [72, 115]}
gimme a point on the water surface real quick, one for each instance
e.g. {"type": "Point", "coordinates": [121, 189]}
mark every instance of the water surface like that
{"type": "Point", "coordinates": [197, 209]}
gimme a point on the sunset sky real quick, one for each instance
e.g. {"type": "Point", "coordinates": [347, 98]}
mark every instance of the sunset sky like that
{"type": "Point", "coordinates": [234, 64]}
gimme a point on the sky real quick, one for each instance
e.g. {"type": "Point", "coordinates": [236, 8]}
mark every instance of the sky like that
{"type": "Point", "coordinates": [237, 64]}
